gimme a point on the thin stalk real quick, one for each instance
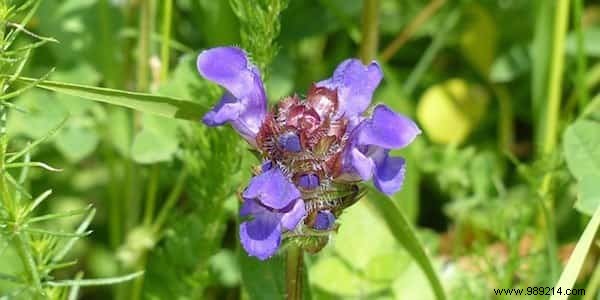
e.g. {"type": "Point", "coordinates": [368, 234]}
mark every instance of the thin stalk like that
{"type": "Point", "coordinates": [430, 53]}
{"type": "Point", "coordinates": [550, 134]}
{"type": "Point", "coordinates": [143, 63]}
{"type": "Point", "coordinates": [580, 86]}
{"type": "Point", "coordinates": [294, 272]}
{"type": "Point", "coordinates": [151, 195]}
{"type": "Point", "coordinates": [166, 38]}
{"type": "Point", "coordinates": [556, 68]}
{"type": "Point", "coordinates": [593, 286]}
{"type": "Point", "coordinates": [171, 201]}
{"type": "Point", "coordinates": [410, 29]}
{"type": "Point", "coordinates": [370, 30]}
{"type": "Point", "coordinates": [28, 262]}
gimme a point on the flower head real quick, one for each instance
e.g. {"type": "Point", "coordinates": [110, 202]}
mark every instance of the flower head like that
{"type": "Point", "coordinates": [317, 149]}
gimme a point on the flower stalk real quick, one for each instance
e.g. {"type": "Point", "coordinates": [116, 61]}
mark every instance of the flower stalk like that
{"type": "Point", "coordinates": [294, 272]}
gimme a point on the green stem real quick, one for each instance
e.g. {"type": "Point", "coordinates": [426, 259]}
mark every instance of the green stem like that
{"type": "Point", "coordinates": [555, 78]}
{"type": "Point", "coordinates": [143, 63]}
{"type": "Point", "coordinates": [370, 30]}
{"type": "Point", "coordinates": [151, 196]}
{"type": "Point", "coordinates": [593, 286]}
{"type": "Point", "coordinates": [171, 201]}
{"type": "Point", "coordinates": [427, 58]}
{"type": "Point", "coordinates": [28, 262]}
{"type": "Point", "coordinates": [550, 136]}
{"type": "Point", "coordinates": [166, 38]}
{"type": "Point", "coordinates": [293, 274]}
{"type": "Point", "coordinates": [581, 86]}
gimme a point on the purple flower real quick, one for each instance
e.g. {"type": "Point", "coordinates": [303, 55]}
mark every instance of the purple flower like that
{"type": "Point", "coordinates": [317, 149]}
{"type": "Point", "coordinates": [274, 204]}
{"type": "Point", "coordinates": [244, 104]}
{"type": "Point", "coordinates": [355, 84]}
{"type": "Point", "coordinates": [367, 153]}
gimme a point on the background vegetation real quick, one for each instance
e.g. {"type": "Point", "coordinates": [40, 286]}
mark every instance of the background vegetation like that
{"type": "Point", "coordinates": [501, 187]}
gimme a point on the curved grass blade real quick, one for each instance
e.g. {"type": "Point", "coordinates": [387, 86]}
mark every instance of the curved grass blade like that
{"type": "Point", "coordinates": [406, 235]}
{"type": "Point", "coordinates": [155, 104]}
{"type": "Point", "coordinates": [94, 282]}
{"type": "Point", "coordinates": [571, 272]}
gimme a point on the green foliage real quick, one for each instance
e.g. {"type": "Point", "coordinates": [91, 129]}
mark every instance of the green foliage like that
{"type": "Point", "coordinates": [259, 21]}
{"type": "Point", "coordinates": [482, 206]}
{"type": "Point", "coordinates": [581, 141]}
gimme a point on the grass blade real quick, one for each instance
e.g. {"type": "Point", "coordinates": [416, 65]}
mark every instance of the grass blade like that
{"type": "Point", "coordinates": [406, 235]}
{"type": "Point", "coordinates": [571, 272]}
{"type": "Point", "coordinates": [94, 282]}
{"type": "Point", "coordinates": [147, 103]}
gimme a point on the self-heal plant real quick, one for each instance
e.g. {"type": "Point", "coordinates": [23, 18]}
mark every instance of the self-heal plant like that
{"type": "Point", "coordinates": [317, 151]}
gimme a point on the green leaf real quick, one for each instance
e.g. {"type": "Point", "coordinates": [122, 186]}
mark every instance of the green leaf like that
{"type": "Point", "coordinates": [156, 142]}
{"type": "Point", "coordinates": [160, 105]}
{"type": "Point", "coordinates": [264, 280]}
{"type": "Point", "coordinates": [591, 37]}
{"type": "Point", "coordinates": [582, 151]}
{"type": "Point", "coordinates": [582, 148]}
{"type": "Point", "coordinates": [95, 282]}
{"type": "Point", "coordinates": [407, 237]}
{"type": "Point", "coordinates": [571, 272]}
{"type": "Point", "coordinates": [75, 143]}
{"type": "Point", "coordinates": [589, 195]}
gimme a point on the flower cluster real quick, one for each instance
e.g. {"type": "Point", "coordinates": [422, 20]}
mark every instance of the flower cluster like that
{"type": "Point", "coordinates": [316, 150]}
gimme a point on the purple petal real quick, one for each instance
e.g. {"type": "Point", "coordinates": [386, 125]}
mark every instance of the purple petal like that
{"type": "Point", "coordinates": [290, 141]}
{"type": "Point", "coordinates": [272, 189]}
{"type": "Point", "coordinates": [245, 104]}
{"type": "Point", "coordinates": [389, 174]}
{"type": "Point", "coordinates": [227, 109]}
{"type": "Point", "coordinates": [355, 84]}
{"type": "Point", "coordinates": [360, 164]}
{"type": "Point", "coordinates": [308, 181]}
{"type": "Point", "coordinates": [324, 221]}
{"type": "Point", "coordinates": [291, 218]}
{"type": "Point", "coordinates": [387, 129]}
{"type": "Point", "coordinates": [261, 236]}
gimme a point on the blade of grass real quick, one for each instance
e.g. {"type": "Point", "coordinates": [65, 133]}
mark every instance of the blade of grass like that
{"type": "Point", "coordinates": [427, 58]}
{"type": "Point", "coordinates": [69, 244]}
{"type": "Point", "coordinates": [155, 104]}
{"type": "Point", "coordinates": [406, 235]}
{"type": "Point", "coordinates": [575, 263]}
{"type": "Point", "coordinates": [94, 282]}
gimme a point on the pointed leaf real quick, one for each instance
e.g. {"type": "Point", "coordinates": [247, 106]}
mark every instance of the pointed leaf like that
{"type": "Point", "coordinates": [148, 103]}
{"type": "Point", "coordinates": [406, 235]}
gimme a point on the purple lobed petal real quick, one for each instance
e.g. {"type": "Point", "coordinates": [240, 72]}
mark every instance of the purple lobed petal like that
{"type": "Point", "coordinates": [244, 104]}
{"type": "Point", "coordinates": [367, 154]}
{"type": "Point", "coordinates": [272, 189]}
{"type": "Point", "coordinates": [355, 84]}
{"type": "Point", "coordinates": [324, 221]}
{"type": "Point", "coordinates": [308, 181]}
{"type": "Point", "coordinates": [389, 174]}
{"type": "Point", "coordinates": [293, 216]}
{"type": "Point", "coordinates": [387, 129]}
{"type": "Point", "coordinates": [290, 142]}
{"type": "Point", "coordinates": [261, 236]}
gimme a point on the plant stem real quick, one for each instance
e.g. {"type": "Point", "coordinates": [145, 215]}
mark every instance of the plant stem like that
{"type": "Point", "coordinates": [294, 272]}
{"type": "Point", "coordinates": [143, 64]}
{"type": "Point", "coordinates": [166, 38]}
{"type": "Point", "coordinates": [370, 30]}
{"type": "Point", "coordinates": [427, 58]}
{"type": "Point", "coordinates": [580, 86]}
{"type": "Point", "coordinates": [550, 134]}
{"type": "Point", "coordinates": [151, 194]}
{"type": "Point", "coordinates": [408, 31]}
{"type": "Point", "coordinates": [554, 79]}
{"type": "Point", "coordinates": [171, 201]}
